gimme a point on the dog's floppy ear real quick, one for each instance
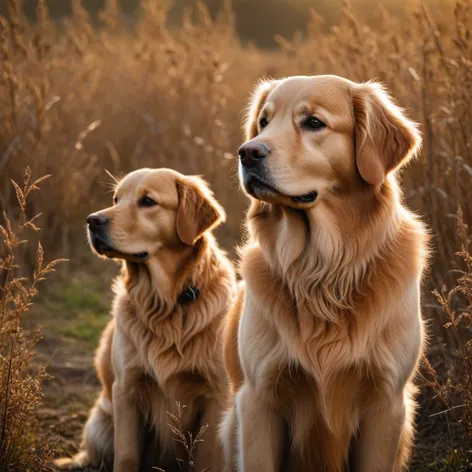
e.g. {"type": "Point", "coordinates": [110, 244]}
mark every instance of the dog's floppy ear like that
{"type": "Point", "coordinates": [256, 102]}
{"type": "Point", "coordinates": [385, 138]}
{"type": "Point", "coordinates": [198, 210]}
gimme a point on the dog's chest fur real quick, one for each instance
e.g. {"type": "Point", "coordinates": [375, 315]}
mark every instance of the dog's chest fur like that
{"type": "Point", "coordinates": [295, 359]}
{"type": "Point", "coordinates": [176, 344]}
{"type": "Point", "coordinates": [168, 368]}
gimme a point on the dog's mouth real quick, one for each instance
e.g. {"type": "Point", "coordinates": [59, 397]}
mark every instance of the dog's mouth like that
{"type": "Point", "coordinates": [262, 190]}
{"type": "Point", "coordinates": [104, 248]}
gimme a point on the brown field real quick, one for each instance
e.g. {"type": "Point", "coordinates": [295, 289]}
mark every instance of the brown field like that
{"type": "Point", "coordinates": [77, 98]}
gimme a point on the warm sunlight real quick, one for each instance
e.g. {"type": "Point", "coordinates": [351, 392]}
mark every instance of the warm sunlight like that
{"type": "Point", "coordinates": [304, 303]}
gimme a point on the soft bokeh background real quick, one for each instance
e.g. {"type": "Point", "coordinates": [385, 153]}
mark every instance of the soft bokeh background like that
{"type": "Point", "coordinates": [93, 85]}
{"type": "Point", "coordinates": [256, 21]}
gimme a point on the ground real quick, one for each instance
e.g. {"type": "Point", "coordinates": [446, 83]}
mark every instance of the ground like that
{"type": "Point", "coordinates": [72, 315]}
{"type": "Point", "coordinates": [73, 310]}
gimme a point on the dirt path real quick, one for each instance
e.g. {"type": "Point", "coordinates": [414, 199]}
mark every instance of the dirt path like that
{"type": "Point", "coordinates": [69, 393]}
{"type": "Point", "coordinates": [72, 315]}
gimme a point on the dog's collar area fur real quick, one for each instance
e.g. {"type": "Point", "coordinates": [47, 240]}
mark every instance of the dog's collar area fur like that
{"type": "Point", "coordinates": [190, 294]}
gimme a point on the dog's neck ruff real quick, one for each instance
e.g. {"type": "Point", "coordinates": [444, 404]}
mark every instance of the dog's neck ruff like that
{"type": "Point", "coordinates": [153, 300]}
{"type": "Point", "coordinates": [333, 281]}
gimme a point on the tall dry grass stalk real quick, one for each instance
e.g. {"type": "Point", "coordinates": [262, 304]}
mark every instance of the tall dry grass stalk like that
{"type": "Point", "coordinates": [186, 439]}
{"type": "Point", "coordinates": [454, 387]}
{"type": "Point", "coordinates": [23, 446]}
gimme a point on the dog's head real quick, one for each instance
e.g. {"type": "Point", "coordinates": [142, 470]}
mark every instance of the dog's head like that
{"type": "Point", "coordinates": [311, 137]}
{"type": "Point", "coordinates": [153, 209]}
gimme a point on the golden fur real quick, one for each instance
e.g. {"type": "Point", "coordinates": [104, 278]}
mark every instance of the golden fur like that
{"type": "Point", "coordinates": [326, 336]}
{"type": "Point", "coordinates": [157, 350]}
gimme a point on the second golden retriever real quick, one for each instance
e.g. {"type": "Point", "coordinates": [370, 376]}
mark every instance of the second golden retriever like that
{"type": "Point", "coordinates": [163, 344]}
{"type": "Point", "coordinates": [324, 340]}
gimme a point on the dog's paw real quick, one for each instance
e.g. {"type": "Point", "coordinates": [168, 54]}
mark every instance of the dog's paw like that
{"type": "Point", "coordinates": [79, 461]}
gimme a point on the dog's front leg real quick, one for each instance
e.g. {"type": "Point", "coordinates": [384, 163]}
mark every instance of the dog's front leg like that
{"type": "Point", "coordinates": [384, 431]}
{"type": "Point", "coordinates": [126, 414]}
{"type": "Point", "coordinates": [209, 453]}
{"type": "Point", "coordinates": [259, 433]}
{"type": "Point", "coordinates": [127, 422]}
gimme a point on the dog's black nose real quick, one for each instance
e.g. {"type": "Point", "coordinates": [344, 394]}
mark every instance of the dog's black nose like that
{"type": "Point", "coordinates": [251, 153]}
{"type": "Point", "coordinates": [96, 221]}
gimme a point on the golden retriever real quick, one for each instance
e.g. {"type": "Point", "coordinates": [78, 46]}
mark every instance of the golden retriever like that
{"type": "Point", "coordinates": [327, 337]}
{"type": "Point", "coordinates": [163, 344]}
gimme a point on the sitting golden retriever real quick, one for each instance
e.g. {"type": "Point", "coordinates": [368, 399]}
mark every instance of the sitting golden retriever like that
{"type": "Point", "coordinates": [164, 342]}
{"type": "Point", "coordinates": [327, 337]}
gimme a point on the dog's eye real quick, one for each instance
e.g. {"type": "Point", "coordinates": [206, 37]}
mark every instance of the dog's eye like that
{"type": "Point", "coordinates": [263, 122]}
{"type": "Point", "coordinates": [313, 123]}
{"type": "Point", "coordinates": [115, 200]}
{"type": "Point", "coordinates": [146, 202]}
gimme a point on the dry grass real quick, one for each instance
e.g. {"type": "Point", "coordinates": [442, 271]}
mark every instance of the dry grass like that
{"type": "Point", "coordinates": [77, 100]}
{"type": "Point", "coordinates": [23, 446]}
{"type": "Point", "coordinates": [454, 387]}
{"type": "Point", "coordinates": [84, 101]}
{"type": "Point", "coordinates": [186, 439]}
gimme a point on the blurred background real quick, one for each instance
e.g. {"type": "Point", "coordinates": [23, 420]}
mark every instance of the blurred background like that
{"type": "Point", "coordinates": [89, 86]}
{"type": "Point", "coordinates": [256, 21]}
